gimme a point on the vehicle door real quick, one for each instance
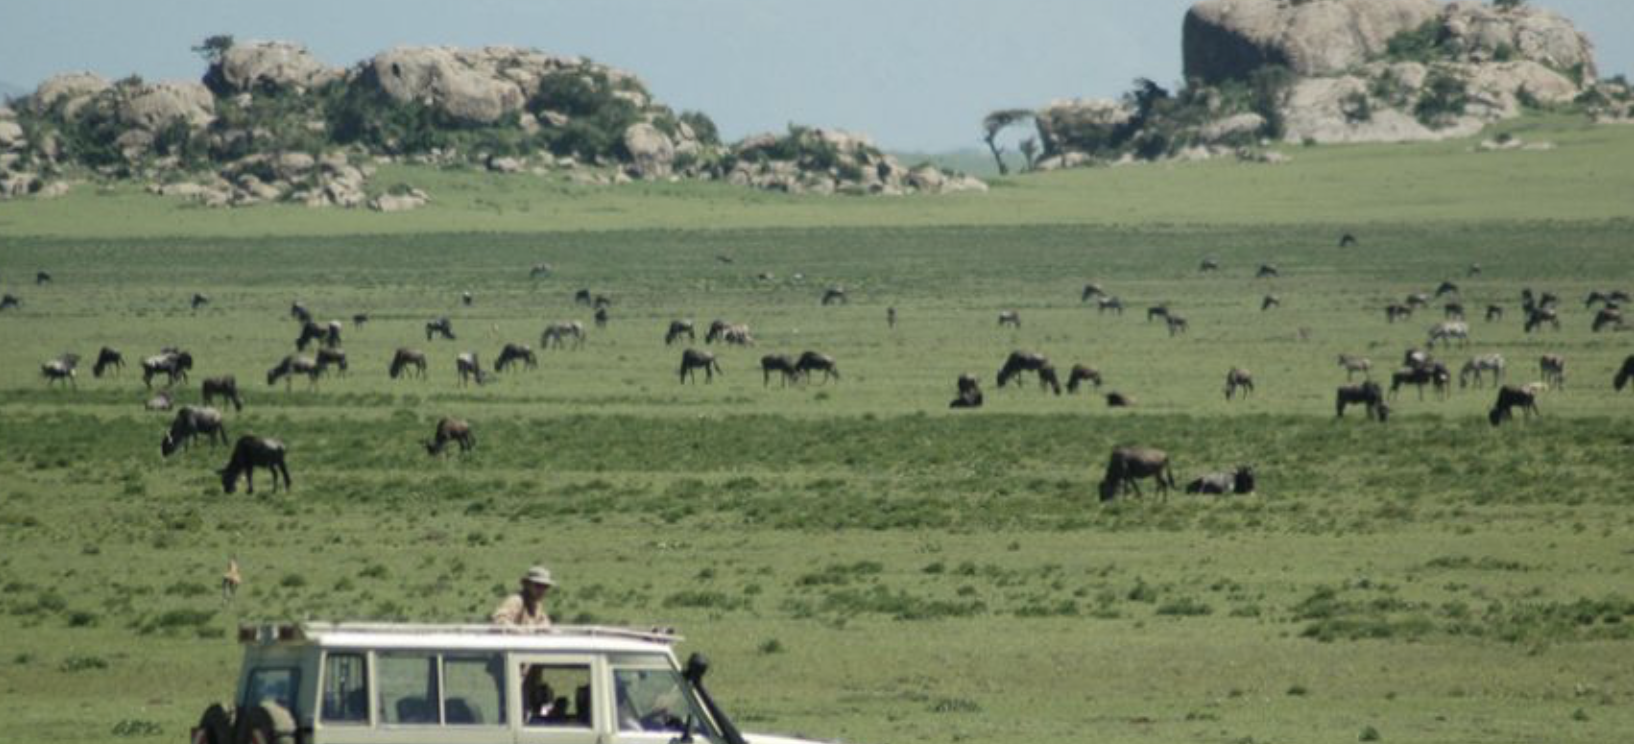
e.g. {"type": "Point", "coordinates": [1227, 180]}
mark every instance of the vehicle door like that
{"type": "Point", "coordinates": [555, 699]}
{"type": "Point", "coordinates": [652, 703]}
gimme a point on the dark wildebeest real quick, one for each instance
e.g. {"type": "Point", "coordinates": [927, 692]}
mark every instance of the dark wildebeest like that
{"type": "Point", "coordinates": [812, 361]}
{"type": "Point", "coordinates": [780, 363]}
{"type": "Point", "coordinates": [469, 367]}
{"type": "Point", "coordinates": [328, 334]}
{"type": "Point", "coordinates": [1494, 312]}
{"type": "Point", "coordinates": [1240, 480]}
{"type": "Point", "coordinates": [249, 453]}
{"type": "Point", "coordinates": [890, 317]}
{"type": "Point", "coordinates": [1539, 315]}
{"type": "Point", "coordinates": [1109, 302]}
{"type": "Point", "coordinates": [359, 319]}
{"type": "Point", "coordinates": [1116, 399]}
{"type": "Point", "coordinates": [1624, 375]}
{"type": "Point", "coordinates": [1553, 369]}
{"type": "Point", "coordinates": [298, 311]}
{"type": "Point", "coordinates": [601, 302]}
{"type": "Point", "coordinates": [466, 299]}
{"type": "Point", "coordinates": [1157, 311]}
{"type": "Point", "coordinates": [108, 359]}
{"type": "Point", "coordinates": [678, 328]}
{"type": "Point", "coordinates": [582, 297]}
{"type": "Point", "coordinates": [1354, 364]}
{"type": "Point", "coordinates": [172, 364]}
{"type": "Point", "coordinates": [970, 392]}
{"type": "Point", "coordinates": [1608, 316]}
{"type": "Point", "coordinates": [1267, 271]}
{"type": "Point", "coordinates": [738, 335]}
{"type": "Point", "coordinates": [1129, 464]}
{"type": "Point", "coordinates": [835, 295]}
{"type": "Point", "coordinates": [451, 430]}
{"type": "Point", "coordinates": [693, 359]}
{"type": "Point", "coordinates": [440, 327]}
{"type": "Point", "coordinates": [294, 365]}
{"type": "Point", "coordinates": [332, 358]}
{"type": "Point", "coordinates": [1081, 373]}
{"type": "Point", "coordinates": [1208, 265]}
{"type": "Point", "coordinates": [1269, 302]}
{"type": "Point", "coordinates": [1010, 318]}
{"type": "Point", "coordinates": [222, 387]}
{"type": "Point", "coordinates": [556, 334]}
{"type": "Point", "coordinates": [600, 316]}
{"type": "Point", "coordinates": [199, 300]}
{"type": "Point", "coordinates": [10, 302]}
{"type": "Point", "coordinates": [1025, 361]}
{"type": "Point", "coordinates": [514, 353]}
{"type": "Point", "coordinates": [1453, 311]}
{"type": "Point", "coordinates": [1477, 368]}
{"type": "Point", "coordinates": [1514, 396]}
{"type": "Point", "coordinates": [723, 258]}
{"type": "Point", "coordinates": [192, 421]}
{"type": "Point", "coordinates": [1446, 331]}
{"type": "Point", "coordinates": [1446, 287]}
{"type": "Point", "coordinates": [1394, 312]}
{"type": "Point", "coordinates": [42, 277]}
{"type": "Point", "coordinates": [58, 370]}
{"type": "Point", "coordinates": [1474, 270]}
{"type": "Point", "coordinates": [1239, 379]}
{"type": "Point", "coordinates": [1091, 289]}
{"type": "Point", "coordinates": [1607, 298]}
{"type": "Point", "coordinates": [1433, 373]}
{"type": "Point", "coordinates": [1347, 240]}
{"type": "Point", "coordinates": [716, 330]}
{"type": "Point", "coordinates": [539, 270]}
{"type": "Point", "coordinates": [1366, 394]}
{"type": "Point", "coordinates": [1417, 301]}
{"type": "Point", "coordinates": [405, 358]}
{"type": "Point", "coordinates": [1176, 323]}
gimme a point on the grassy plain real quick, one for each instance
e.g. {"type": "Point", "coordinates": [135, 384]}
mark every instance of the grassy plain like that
{"type": "Point", "coordinates": [860, 562]}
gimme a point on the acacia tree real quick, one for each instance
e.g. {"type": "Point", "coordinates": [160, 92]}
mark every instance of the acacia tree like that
{"type": "Point", "coordinates": [997, 122]}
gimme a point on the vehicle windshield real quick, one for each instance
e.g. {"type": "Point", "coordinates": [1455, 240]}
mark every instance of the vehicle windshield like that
{"type": "Point", "coordinates": [273, 686]}
{"type": "Point", "coordinates": [656, 699]}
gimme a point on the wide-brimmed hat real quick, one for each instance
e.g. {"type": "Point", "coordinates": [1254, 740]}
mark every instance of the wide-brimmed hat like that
{"type": "Point", "coordinates": [538, 575]}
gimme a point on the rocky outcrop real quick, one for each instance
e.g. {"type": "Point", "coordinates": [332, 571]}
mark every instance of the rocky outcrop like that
{"type": "Point", "coordinates": [652, 154]}
{"type": "Point", "coordinates": [156, 106]}
{"type": "Point", "coordinates": [1478, 32]}
{"type": "Point", "coordinates": [69, 90]}
{"type": "Point", "coordinates": [273, 66]}
{"type": "Point", "coordinates": [1230, 39]}
{"type": "Point", "coordinates": [1081, 124]}
{"type": "Point", "coordinates": [832, 161]}
{"type": "Point", "coordinates": [471, 85]}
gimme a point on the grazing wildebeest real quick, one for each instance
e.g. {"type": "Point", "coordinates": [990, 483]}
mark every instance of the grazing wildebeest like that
{"type": "Point", "coordinates": [1026, 361]}
{"type": "Point", "coordinates": [1354, 364]}
{"type": "Point", "coordinates": [1394, 312]}
{"type": "Point", "coordinates": [108, 359]}
{"type": "Point", "coordinates": [1446, 287]}
{"type": "Point", "coordinates": [249, 453]}
{"type": "Point", "coordinates": [1512, 396]}
{"type": "Point", "coordinates": [737, 335]}
{"type": "Point", "coordinates": [1267, 271]}
{"type": "Point", "coordinates": [678, 328]}
{"type": "Point", "coordinates": [1494, 312]}
{"type": "Point", "coordinates": [556, 334]}
{"type": "Point", "coordinates": [693, 359]}
{"type": "Point", "coordinates": [192, 421]}
{"type": "Point", "coordinates": [199, 300]}
{"type": "Point", "coordinates": [1081, 373]}
{"type": "Point", "coordinates": [782, 364]}
{"type": "Point", "coordinates": [1347, 240]}
{"type": "Point", "coordinates": [1116, 399]}
{"type": "Point", "coordinates": [1447, 331]}
{"type": "Point", "coordinates": [1010, 318]}
{"type": "Point", "coordinates": [1474, 270]}
{"type": "Point", "coordinates": [440, 327]}
{"type": "Point", "coordinates": [359, 319]}
{"type": "Point", "coordinates": [1240, 480]}
{"type": "Point", "coordinates": [835, 295]}
{"type": "Point", "coordinates": [1594, 297]}
{"type": "Point", "coordinates": [469, 368]}
{"type": "Point", "coordinates": [970, 392]}
{"type": "Point", "coordinates": [1415, 358]}
{"type": "Point", "coordinates": [600, 316]}
{"type": "Point", "coordinates": [1269, 302]}
{"type": "Point", "coordinates": [717, 328]}
{"type": "Point", "coordinates": [514, 353]}
{"type": "Point", "coordinates": [582, 297]}
{"type": "Point", "coordinates": [294, 365]}
{"type": "Point", "coordinates": [298, 311]}
{"type": "Point", "coordinates": [161, 401]}
{"type": "Point", "coordinates": [1157, 311]}
{"type": "Point", "coordinates": [1239, 379]}
{"type": "Point", "coordinates": [1553, 369]}
{"type": "Point", "coordinates": [890, 317]}
{"type": "Point", "coordinates": [1208, 265]}
{"type": "Point", "coordinates": [222, 387]}
{"type": "Point", "coordinates": [1453, 311]}
{"type": "Point", "coordinates": [1608, 316]}
{"type": "Point", "coordinates": [1417, 300]}
{"type": "Point", "coordinates": [601, 302]}
{"type": "Point", "coordinates": [1478, 366]}
{"type": "Point", "coordinates": [405, 358]}
{"type": "Point", "coordinates": [1433, 373]}
{"type": "Point", "coordinates": [1176, 324]}
{"type": "Point", "coordinates": [57, 370]}
{"type": "Point", "coordinates": [539, 270]}
{"type": "Point", "coordinates": [328, 335]}
{"type": "Point", "coordinates": [1091, 289]}
{"type": "Point", "coordinates": [332, 358]}
{"type": "Point", "coordinates": [1367, 394]}
{"type": "Point", "coordinates": [10, 302]}
{"type": "Point", "coordinates": [42, 277]}
{"type": "Point", "coordinates": [451, 430]}
{"type": "Point", "coordinates": [1540, 314]}
{"type": "Point", "coordinates": [172, 364]}
{"type": "Point", "coordinates": [466, 299]}
{"type": "Point", "coordinates": [1109, 302]}
{"type": "Point", "coordinates": [723, 258]}
{"type": "Point", "coordinates": [1624, 375]}
{"type": "Point", "coordinates": [1129, 464]}
{"type": "Point", "coordinates": [812, 361]}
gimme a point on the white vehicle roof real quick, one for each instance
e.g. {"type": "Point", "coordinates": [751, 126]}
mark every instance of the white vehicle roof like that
{"type": "Point", "coordinates": [558, 639]}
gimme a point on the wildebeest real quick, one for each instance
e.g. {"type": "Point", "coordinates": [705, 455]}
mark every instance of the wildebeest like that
{"type": "Point", "coordinates": [222, 387]}
{"type": "Point", "coordinates": [812, 361]}
{"type": "Point", "coordinates": [1553, 369]}
{"type": "Point", "coordinates": [56, 370]}
{"type": "Point", "coordinates": [172, 364]}
{"type": "Point", "coordinates": [440, 327]}
{"type": "Point", "coordinates": [1453, 311]}
{"type": "Point", "coordinates": [1270, 301]}
{"type": "Point", "coordinates": [539, 270]}
{"type": "Point", "coordinates": [556, 334]}
{"type": "Point", "coordinates": [1081, 373]}
{"type": "Point", "coordinates": [514, 353]}
{"type": "Point", "coordinates": [1347, 240]}
{"type": "Point", "coordinates": [1446, 287]}
{"type": "Point", "coordinates": [469, 368]}
{"type": "Point", "coordinates": [198, 300]}
{"type": "Point", "coordinates": [331, 358]}
{"type": "Point", "coordinates": [358, 319]}
{"type": "Point", "coordinates": [1239, 379]}
{"type": "Point", "coordinates": [717, 329]}
{"type": "Point", "coordinates": [1478, 366]}
{"type": "Point", "coordinates": [1354, 364]}
{"type": "Point", "coordinates": [42, 277]}
{"type": "Point", "coordinates": [1394, 312]}
{"type": "Point", "coordinates": [970, 392]}
{"type": "Point", "coordinates": [1010, 318]}
{"type": "Point", "coordinates": [1539, 315]}
{"type": "Point", "coordinates": [1446, 331]}
{"type": "Point", "coordinates": [1473, 270]}
{"type": "Point", "coordinates": [294, 365]}
{"type": "Point", "coordinates": [1494, 312]}
{"type": "Point", "coordinates": [1026, 361]}
{"type": "Point", "coordinates": [1608, 316]}
{"type": "Point", "coordinates": [1176, 323]}
{"type": "Point", "coordinates": [1511, 397]}
{"type": "Point", "coordinates": [1160, 310]}
{"type": "Point", "coordinates": [1417, 300]}
{"type": "Point", "coordinates": [328, 334]}
{"type": "Point", "coordinates": [1366, 394]}
{"type": "Point", "coordinates": [890, 317]}
{"type": "Point", "coordinates": [1208, 265]}
{"type": "Point", "coordinates": [1624, 375]}
{"type": "Point", "coordinates": [835, 296]}
{"type": "Point", "coordinates": [451, 430]}
{"type": "Point", "coordinates": [1267, 271]}
{"type": "Point", "coordinates": [1130, 464]}
{"type": "Point", "coordinates": [10, 302]}
{"type": "Point", "coordinates": [601, 302]}
{"type": "Point", "coordinates": [1109, 302]}
{"type": "Point", "coordinates": [600, 316]}
{"type": "Point", "coordinates": [1616, 297]}
{"type": "Point", "coordinates": [678, 328]}
{"type": "Point", "coordinates": [108, 359]}
{"type": "Point", "coordinates": [782, 364]}
{"type": "Point", "coordinates": [1091, 289]}
{"type": "Point", "coordinates": [1240, 480]}
{"type": "Point", "coordinates": [737, 335]}
{"type": "Point", "coordinates": [1434, 373]}
{"type": "Point", "coordinates": [161, 401]}
{"type": "Point", "coordinates": [466, 299]}
{"type": "Point", "coordinates": [298, 311]}
{"type": "Point", "coordinates": [1116, 399]}
{"type": "Point", "coordinates": [693, 359]}
{"type": "Point", "coordinates": [249, 453]}
{"type": "Point", "coordinates": [192, 421]}
{"type": "Point", "coordinates": [582, 297]}
{"type": "Point", "coordinates": [405, 358]}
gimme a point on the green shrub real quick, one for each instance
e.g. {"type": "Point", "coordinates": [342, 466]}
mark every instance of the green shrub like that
{"type": "Point", "coordinates": [1423, 44]}
{"type": "Point", "coordinates": [1443, 99]}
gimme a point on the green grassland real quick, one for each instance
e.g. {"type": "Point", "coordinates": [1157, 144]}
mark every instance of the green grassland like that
{"type": "Point", "coordinates": [860, 562]}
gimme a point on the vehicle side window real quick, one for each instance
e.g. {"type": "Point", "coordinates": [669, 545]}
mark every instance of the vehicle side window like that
{"type": "Point", "coordinates": [556, 695]}
{"type": "Point", "coordinates": [408, 688]}
{"type": "Point", "coordinates": [652, 700]}
{"type": "Point", "coordinates": [346, 688]}
{"type": "Point", "coordinates": [274, 685]}
{"type": "Point", "coordinates": [473, 689]}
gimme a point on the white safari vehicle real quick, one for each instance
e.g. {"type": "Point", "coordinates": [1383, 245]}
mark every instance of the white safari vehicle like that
{"type": "Point", "coordinates": [357, 683]}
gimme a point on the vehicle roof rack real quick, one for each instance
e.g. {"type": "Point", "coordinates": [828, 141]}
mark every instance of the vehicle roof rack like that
{"type": "Point", "coordinates": [288, 631]}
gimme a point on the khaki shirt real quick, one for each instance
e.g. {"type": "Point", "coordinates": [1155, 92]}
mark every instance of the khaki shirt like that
{"type": "Point", "coordinates": [514, 611]}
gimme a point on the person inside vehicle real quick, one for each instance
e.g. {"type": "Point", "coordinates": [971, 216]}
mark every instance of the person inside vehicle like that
{"type": "Point", "coordinates": [526, 608]}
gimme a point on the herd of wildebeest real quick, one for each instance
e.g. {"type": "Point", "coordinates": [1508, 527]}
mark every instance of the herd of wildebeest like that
{"type": "Point", "coordinates": [1128, 465]}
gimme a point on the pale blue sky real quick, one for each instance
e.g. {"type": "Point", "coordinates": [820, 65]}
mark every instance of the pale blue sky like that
{"type": "Point", "coordinates": [915, 74]}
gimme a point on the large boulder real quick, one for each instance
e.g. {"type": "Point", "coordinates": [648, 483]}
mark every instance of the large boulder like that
{"type": "Point", "coordinates": [652, 154]}
{"type": "Point", "coordinates": [1230, 39]}
{"type": "Point", "coordinates": [271, 65]}
{"type": "Point", "coordinates": [11, 135]}
{"type": "Point", "coordinates": [447, 81]}
{"type": "Point", "coordinates": [1479, 32]}
{"type": "Point", "coordinates": [156, 106]}
{"type": "Point", "coordinates": [72, 90]}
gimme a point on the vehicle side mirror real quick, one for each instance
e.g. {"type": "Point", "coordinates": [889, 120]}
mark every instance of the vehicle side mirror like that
{"type": "Point", "coordinates": [697, 666]}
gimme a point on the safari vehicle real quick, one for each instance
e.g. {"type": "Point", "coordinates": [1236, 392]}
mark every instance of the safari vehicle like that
{"type": "Point", "coordinates": [364, 683]}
